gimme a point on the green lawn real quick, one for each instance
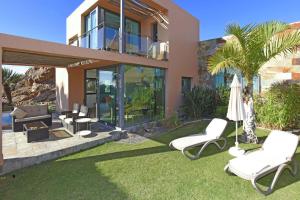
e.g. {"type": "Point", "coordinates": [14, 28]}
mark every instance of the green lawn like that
{"type": "Point", "coordinates": [149, 170]}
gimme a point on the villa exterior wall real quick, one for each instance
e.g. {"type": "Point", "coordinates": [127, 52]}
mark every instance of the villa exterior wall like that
{"type": "Point", "coordinates": [182, 35]}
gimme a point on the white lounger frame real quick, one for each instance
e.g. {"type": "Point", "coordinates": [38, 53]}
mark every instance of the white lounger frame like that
{"type": "Point", "coordinates": [186, 152]}
{"type": "Point", "coordinates": [291, 165]}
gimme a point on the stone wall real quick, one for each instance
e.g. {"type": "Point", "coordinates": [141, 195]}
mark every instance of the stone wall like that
{"type": "Point", "coordinates": [205, 50]}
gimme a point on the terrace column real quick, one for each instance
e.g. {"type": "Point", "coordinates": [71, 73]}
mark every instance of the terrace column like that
{"type": "Point", "coordinates": [1, 154]}
{"type": "Point", "coordinates": [121, 67]}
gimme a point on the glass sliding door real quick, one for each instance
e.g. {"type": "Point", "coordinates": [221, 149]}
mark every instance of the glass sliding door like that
{"type": "Point", "coordinates": [107, 95]}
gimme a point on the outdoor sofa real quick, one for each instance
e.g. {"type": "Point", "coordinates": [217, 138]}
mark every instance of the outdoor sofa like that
{"type": "Point", "coordinates": [30, 113]}
{"type": "Point", "coordinates": [69, 121]}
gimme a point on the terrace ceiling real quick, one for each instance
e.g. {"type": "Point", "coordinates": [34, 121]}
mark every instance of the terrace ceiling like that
{"type": "Point", "coordinates": [24, 58]}
{"type": "Point", "coordinates": [145, 9]}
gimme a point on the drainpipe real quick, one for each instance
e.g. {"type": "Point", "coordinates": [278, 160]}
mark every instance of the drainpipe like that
{"type": "Point", "coordinates": [121, 67]}
{"type": "Point", "coordinates": [1, 154]}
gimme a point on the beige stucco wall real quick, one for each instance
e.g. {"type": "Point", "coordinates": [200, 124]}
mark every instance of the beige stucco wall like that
{"type": "Point", "coordinates": [183, 40]}
{"type": "Point", "coordinates": [182, 36]}
{"type": "Point", "coordinates": [62, 89]}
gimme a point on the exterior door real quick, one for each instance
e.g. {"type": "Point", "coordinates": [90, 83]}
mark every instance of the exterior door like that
{"type": "Point", "coordinates": [107, 95]}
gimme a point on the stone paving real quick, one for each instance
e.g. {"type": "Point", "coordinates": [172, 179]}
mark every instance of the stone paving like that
{"type": "Point", "coordinates": [18, 153]}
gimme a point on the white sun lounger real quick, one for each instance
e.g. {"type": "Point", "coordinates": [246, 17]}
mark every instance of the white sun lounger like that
{"type": "Point", "coordinates": [276, 154]}
{"type": "Point", "coordinates": [211, 135]}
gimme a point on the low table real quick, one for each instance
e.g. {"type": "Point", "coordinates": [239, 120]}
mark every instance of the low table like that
{"type": "Point", "coordinates": [36, 131]}
{"type": "Point", "coordinates": [86, 121]}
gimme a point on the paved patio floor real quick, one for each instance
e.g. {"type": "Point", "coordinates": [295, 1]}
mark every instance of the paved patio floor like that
{"type": "Point", "coordinates": [18, 153]}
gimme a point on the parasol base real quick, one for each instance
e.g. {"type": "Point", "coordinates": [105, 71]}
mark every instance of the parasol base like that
{"type": "Point", "coordinates": [236, 151]}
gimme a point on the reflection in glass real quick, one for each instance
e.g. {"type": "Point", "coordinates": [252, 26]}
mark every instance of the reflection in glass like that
{"type": "Point", "coordinates": [144, 94]}
{"type": "Point", "coordinates": [90, 91]}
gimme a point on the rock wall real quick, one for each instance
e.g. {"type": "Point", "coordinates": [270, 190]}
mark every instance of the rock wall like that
{"type": "Point", "coordinates": [38, 85]}
{"type": "Point", "coordinates": [206, 49]}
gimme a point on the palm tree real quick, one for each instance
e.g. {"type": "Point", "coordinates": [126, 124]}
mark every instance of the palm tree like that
{"type": "Point", "coordinates": [9, 77]}
{"type": "Point", "coordinates": [251, 46]}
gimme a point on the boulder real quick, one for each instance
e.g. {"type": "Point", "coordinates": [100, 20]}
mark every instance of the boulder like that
{"type": "Point", "coordinates": [38, 85]}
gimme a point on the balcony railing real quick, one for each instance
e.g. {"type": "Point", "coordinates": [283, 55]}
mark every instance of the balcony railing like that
{"type": "Point", "coordinates": [105, 37]}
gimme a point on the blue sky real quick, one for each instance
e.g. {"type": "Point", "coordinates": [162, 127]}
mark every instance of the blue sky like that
{"type": "Point", "coordinates": [45, 19]}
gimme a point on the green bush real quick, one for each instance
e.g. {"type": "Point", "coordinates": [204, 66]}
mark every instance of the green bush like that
{"type": "Point", "coordinates": [221, 111]}
{"type": "Point", "coordinates": [279, 108]}
{"type": "Point", "coordinates": [223, 94]}
{"type": "Point", "coordinates": [199, 102]}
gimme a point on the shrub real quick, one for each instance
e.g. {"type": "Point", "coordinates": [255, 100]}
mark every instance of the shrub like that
{"type": "Point", "coordinates": [199, 102]}
{"type": "Point", "coordinates": [279, 108]}
{"type": "Point", "coordinates": [223, 95]}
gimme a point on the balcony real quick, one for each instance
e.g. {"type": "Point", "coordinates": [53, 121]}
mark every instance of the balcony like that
{"type": "Point", "coordinates": [104, 37]}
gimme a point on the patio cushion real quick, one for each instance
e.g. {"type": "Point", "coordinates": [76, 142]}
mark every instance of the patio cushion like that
{"type": "Point", "coordinates": [18, 113]}
{"type": "Point", "coordinates": [83, 111]}
{"type": "Point", "coordinates": [75, 108]}
{"type": "Point", "coordinates": [69, 120]}
{"type": "Point", "coordinates": [62, 117]}
{"type": "Point", "coordinates": [35, 110]}
{"type": "Point", "coordinates": [33, 118]}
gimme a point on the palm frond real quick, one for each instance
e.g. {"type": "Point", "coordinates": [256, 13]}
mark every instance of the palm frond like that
{"type": "Point", "coordinates": [227, 56]}
{"type": "Point", "coordinates": [240, 33]}
{"type": "Point", "coordinates": [282, 43]}
{"type": "Point", "coordinates": [9, 76]}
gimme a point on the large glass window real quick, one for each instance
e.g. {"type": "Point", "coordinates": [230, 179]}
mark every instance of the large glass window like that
{"type": "Point", "coordinates": [132, 29]}
{"type": "Point", "coordinates": [107, 95]}
{"type": "Point", "coordinates": [144, 94]}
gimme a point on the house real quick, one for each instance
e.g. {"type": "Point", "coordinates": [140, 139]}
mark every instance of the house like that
{"type": "Point", "coordinates": [152, 49]}
{"type": "Point", "coordinates": [127, 60]}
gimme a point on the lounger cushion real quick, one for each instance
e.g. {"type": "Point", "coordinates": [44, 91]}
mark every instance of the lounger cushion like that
{"type": "Point", "coordinates": [190, 141]}
{"type": "Point", "coordinates": [216, 127]}
{"type": "Point", "coordinates": [32, 118]}
{"type": "Point", "coordinates": [281, 144]}
{"type": "Point", "coordinates": [213, 131]}
{"type": "Point", "coordinates": [278, 148]}
{"type": "Point", "coordinates": [249, 165]}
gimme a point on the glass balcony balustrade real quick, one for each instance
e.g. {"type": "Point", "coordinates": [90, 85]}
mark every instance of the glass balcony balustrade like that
{"type": "Point", "coordinates": [104, 37]}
